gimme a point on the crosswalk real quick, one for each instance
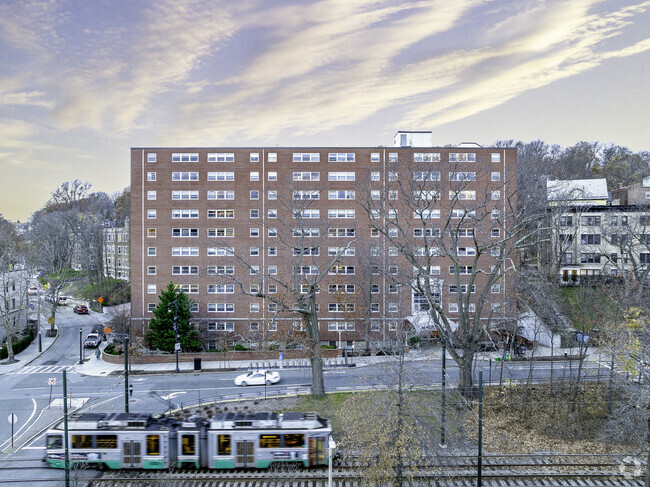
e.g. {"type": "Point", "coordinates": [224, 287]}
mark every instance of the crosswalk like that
{"type": "Point", "coordinates": [44, 369]}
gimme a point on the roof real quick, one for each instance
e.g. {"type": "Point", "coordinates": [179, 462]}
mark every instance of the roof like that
{"type": "Point", "coordinates": [577, 190]}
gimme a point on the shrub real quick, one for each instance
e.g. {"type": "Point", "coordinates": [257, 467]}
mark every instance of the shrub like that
{"type": "Point", "coordinates": [20, 344]}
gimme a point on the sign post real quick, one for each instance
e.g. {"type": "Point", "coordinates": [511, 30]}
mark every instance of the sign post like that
{"type": "Point", "coordinates": [280, 358]}
{"type": "Point", "coordinates": [51, 382]}
{"type": "Point", "coordinates": [12, 419]}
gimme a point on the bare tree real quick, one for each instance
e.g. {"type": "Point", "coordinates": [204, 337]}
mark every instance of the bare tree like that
{"type": "Point", "coordinates": [14, 280]}
{"type": "Point", "coordinates": [472, 231]}
{"type": "Point", "coordinates": [287, 290]}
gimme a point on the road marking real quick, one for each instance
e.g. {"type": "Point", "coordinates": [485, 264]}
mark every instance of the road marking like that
{"type": "Point", "coordinates": [171, 396]}
{"type": "Point", "coordinates": [17, 433]}
{"type": "Point", "coordinates": [44, 369]}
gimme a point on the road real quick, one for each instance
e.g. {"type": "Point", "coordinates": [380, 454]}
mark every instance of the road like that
{"type": "Point", "coordinates": [26, 392]}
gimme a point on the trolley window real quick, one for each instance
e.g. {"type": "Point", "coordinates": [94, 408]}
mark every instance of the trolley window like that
{"type": "Point", "coordinates": [153, 445]}
{"type": "Point", "coordinates": [294, 441]}
{"type": "Point", "coordinates": [82, 441]}
{"type": "Point", "coordinates": [106, 441]}
{"type": "Point", "coordinates": [270, 441]}
{"type": "Point", "coordinates": [223, 445]}
{"type": "Point", "coordinates": [54, 441]}
{"type": "Point", "coordinates": [188, 443]}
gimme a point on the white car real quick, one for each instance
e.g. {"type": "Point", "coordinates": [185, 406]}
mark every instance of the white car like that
{"type": "Point", "coordinates": [257, 378]}
{"type": "Point", "coordinates": [32, 290]}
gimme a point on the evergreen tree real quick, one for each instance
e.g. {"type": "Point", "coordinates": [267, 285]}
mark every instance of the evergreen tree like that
{"type": "Point", "coordinates": [162, 334]}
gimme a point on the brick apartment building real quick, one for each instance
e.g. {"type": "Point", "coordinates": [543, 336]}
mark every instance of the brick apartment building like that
{"type": "Point", "coordinates": [213, 219]}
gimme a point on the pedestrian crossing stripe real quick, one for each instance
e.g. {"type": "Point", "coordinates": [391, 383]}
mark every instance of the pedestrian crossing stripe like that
{"type": "Point", "coordinates": [44, 369]}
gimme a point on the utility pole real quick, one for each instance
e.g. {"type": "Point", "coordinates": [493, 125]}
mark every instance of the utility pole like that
{"type": "Point", "coordinates": [479, 477]}
{"type": "Point", "coordinates": [126, 374]}
{"type": "Point", "coordinates": [65, 430]}
{"type": "Point", "coordinates": [442, 405]}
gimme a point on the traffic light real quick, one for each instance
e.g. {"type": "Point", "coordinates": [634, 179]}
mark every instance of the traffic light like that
{"type": "Point", "coordinates": [175, 323]}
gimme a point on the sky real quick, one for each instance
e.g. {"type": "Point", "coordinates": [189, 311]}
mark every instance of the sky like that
{"type": "Point", "coordinates": [83, 81]}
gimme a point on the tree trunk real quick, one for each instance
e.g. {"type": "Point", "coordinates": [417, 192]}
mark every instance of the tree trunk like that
{"type": "Point", "coordinates": [465, 376]}
{"type": "Point", "coordinates": [315, 351]}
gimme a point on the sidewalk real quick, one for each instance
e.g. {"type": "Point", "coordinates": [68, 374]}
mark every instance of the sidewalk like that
{"type": "Point", "coordinates": [30, 354]}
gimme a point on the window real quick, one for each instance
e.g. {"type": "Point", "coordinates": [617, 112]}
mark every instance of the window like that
{"type": "Point", "coordinates": [221, 307]}
{"type": "Point", "coordinates": [306, 176]}
{"type": "Point", "coordinates": [221, 214]}
{"type": "Point", "coordinates": [187, 288]}
{"type": "Point", "coordinates": [254, 232]}
{"type": "Point", "coordinates": [462, 270]}
{"type": "Point", "coordinates": [426, 157]}
{"type": "Point", "coordinates": [306, 214]}
{"type": "Point", "coordinates": [453, 307]}
{"type": "Point", "coordinates": [586, 239]}
{"type": "Point", "coordinates": [342, 269]}
{"type": "Point", "coordinates": [314, 251]}
{"type": "Point", "coordinates": [375, 176]}
{"type": "Point", "coordinates": [340, 176]}
{"type": "Point", "coordinates": [272, 270]}
{"type": "Point", "coordinates": [374, 307]}
{"type": "Point", "coordinates": [185, 176]}
{"type": "Point", "coordinates": [341, 251]}
{"type": "Point", "coordinates": [185, 251]}
{"type": "Point", "coordinates": [462, 157]}
{"type": "Point", "coordinates": [272, 232]}
{"type": "Point", "coordinates": [465, 251]}
{"type": "Point", "coordinates": [194, 157]}
{"type": "Point", "coordinates": [306, 157]}
{"type": "Point", "coordinates": [496, 195]}
{"type": "Point", "coordinates": [151, 289]}
{"type": "Point", "coordinates": [254, 176]}
{"type": "Point", "coordinates": [221, 232]}
{"type": "Point", "coordinates": [185, 270]}
{"type": "Point", "coordinates": [272, 157]}
{"type": "Point", "coordinates": [374, 326]}
{"type": "Point", "coordinates": [221, 157]}
{"type": "Point", "coordinates": [151, 270]}
{"type": "Point", "coordinates": [221, 251]}
{"type": "Point", "coordinates": [340, 157]}
{"type": "Point", "coordinates": [254, 194]}
{"type": "Point", "coordinates": [151, 307]}
{"type": "Point", "coordinates": [225, 326]}
{"type": "Point", "coordinates": [272, 176]}
{"type": "Point", "coordinates": [221, 195]}
{"type": "Point", "coordinates": [393, 176]}
{"type": "Point", "coordinates": [221, 270]}
{"type": "Point", "coordinates": [307, 194]}
{"type": "Point", "coordinates": [495, 214]}
{"type": "Point", "coordinates": [426, 214]}
{"type": "Point", "coordinates": [151, 214]}
{"type": "Point", "coordinates": [223, 444]}
{"type": "Point", "coordinates": [221, 176]}
{"type": "Point", "coordinates": [495, 157]}
{"type": "Point", "coordinates": [254, 307]}
{"type": "Point", "coordinates": [254, 157]}
{"type": "Point", "coordinates": [341, 307]}
{"type": "Point", "coordinates": [272, 213]}
{"type": "Point", "coordinates": [341, 288]}
{"type": "Point", "coordinates": [495, 288]}
{"type": "Point", "coordinates": [186, 195]}
{"type": "Point", "coordinates": [151, 251]}
{"type": "Point", "coordinates": [374, 232]}
{"type": "Point", "coordinates": [495, 232]}
{"type": "Point", "coordinates": [496, 176]}
{"type": "Point", "coordinates": [589, 258]}
{"type": "Point", "coordinates": [270, 441]}
{"type": "Point", "coordinates": [426, 176]}
{"type": "Point", "coordinates": [273, 307]}
{"type": "Point", "coordinates": [592, 221]}
{"type": "Point", "coordinates": [374, 157]}
{"type": "Point", "coordinates": [375, 194]}
{"type": "Point", "coordinates": [273, 251]}
{"type": "Point", "coordinates": [151, 195]}
{"type": "Point", "coordinates": [151, 157]}
{"type": "Point", "coordinates": [307, 270]}
{"type": "Point", "coordinates": [462, 213]}
{"type": "Point", "coordinates": [340, 213]}
{"type": "Point", "coordinates": [177, 214]}
{"type": "Point", "coordinates": [392, 157]}
{"type": "Point", "coordinates": [462, 195]}
{"type": "Point", "coordinates": [272, 194]}
{"type": "Point", "coordinates": [341, 232]}
{"type": "Point", "coordinates": [273, 288]}
{"type": "Point", "coordinates": [151, 176]}
{"type": "Point", "coordinates": [185, 232]}
{"type": "Point", "coordinates": [151, 232]}
{"type": "Point", "coordinates": [462, 176]}
{"type": "Point", "coordinates": [341, 195]}
{"type": "Point", "coordinates": [306, 232]}
{"type": "Point", "coordinates": [392, 308]}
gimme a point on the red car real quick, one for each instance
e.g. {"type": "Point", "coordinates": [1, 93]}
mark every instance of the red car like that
{"type": "Point", "coordinates": [80, 309]}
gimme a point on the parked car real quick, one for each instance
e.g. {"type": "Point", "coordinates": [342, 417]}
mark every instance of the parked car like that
{"type": "Point", "coordinates": [32, 290]}
{"type": "Point", "coordinates": [49, 298]}
{"type": "Point", "coordinates": [81, 309]}
{"type": "Point", "coordinates": [92, 340]}
{"type": "Point", "coordinates": [258, 378]}
{"type": "Point", "coordinates": [99, 329]}
{"type": "Point", "coordinates": [63, 300]}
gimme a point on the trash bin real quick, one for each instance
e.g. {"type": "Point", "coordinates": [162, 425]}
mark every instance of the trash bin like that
{"type": "Point", "coordinates": [197, 363]}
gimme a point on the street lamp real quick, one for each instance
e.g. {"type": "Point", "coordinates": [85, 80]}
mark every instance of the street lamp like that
{"type": "Point", "coordinates": [81, 360]}
{"type": "Point", "coordinates": [331, 445]}
{"type": "Point", "coordinates": [340, 346]}
{"type": "Point", "coordinates": [177, 345]}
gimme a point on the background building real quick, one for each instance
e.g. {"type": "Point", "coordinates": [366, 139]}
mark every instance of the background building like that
{"type": "Point", "coordinates": [215, 221]}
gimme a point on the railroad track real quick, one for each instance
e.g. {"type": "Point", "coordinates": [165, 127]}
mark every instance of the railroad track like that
{"type": "Point", "coordinates": [448, 471]}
